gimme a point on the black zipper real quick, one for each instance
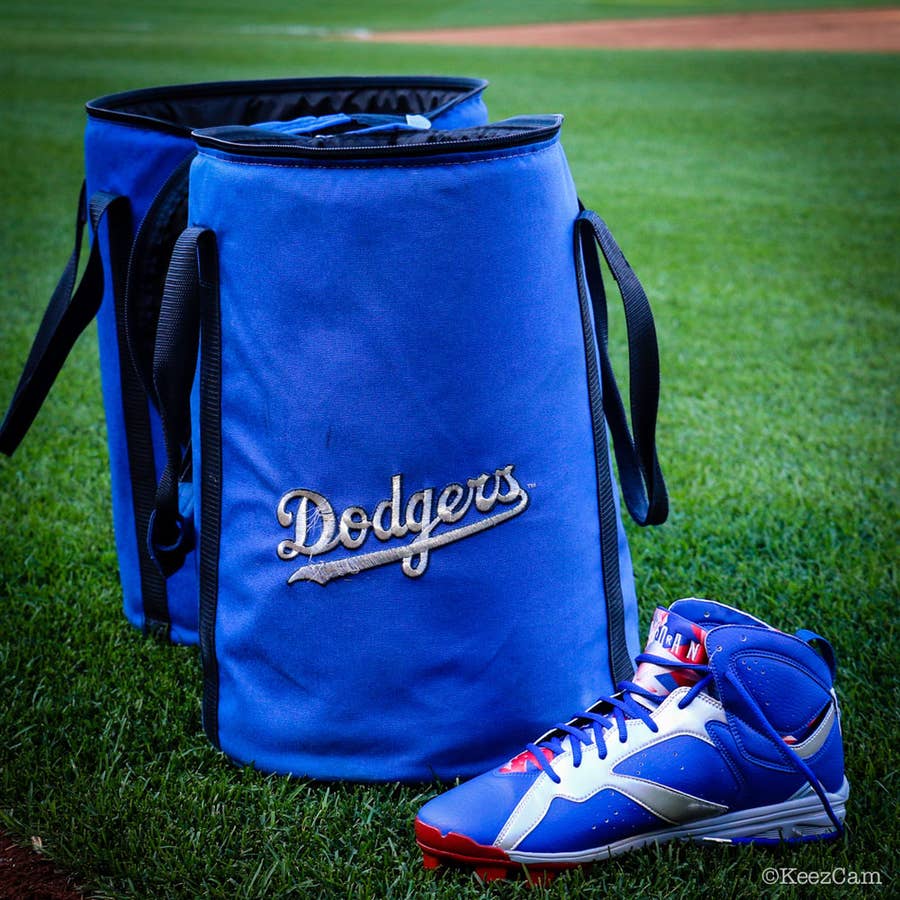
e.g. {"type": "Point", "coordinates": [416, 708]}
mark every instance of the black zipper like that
{"type": "Point", "coordinates": [519, 137]}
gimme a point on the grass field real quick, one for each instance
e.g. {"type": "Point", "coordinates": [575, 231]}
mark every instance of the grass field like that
{"type": "Point", "coordinates": [234, 15]}
{"type": "Point", "coordinates": [756, 195]}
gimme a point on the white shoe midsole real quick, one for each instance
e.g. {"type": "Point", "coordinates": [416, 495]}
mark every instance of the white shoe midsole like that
{"type": "Point", "coordinates": [799, 817]}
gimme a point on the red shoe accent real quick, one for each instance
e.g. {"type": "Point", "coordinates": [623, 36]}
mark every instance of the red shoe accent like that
{"type": "Point", "coordinates": [521, 762]}
{"type": "Point", "coordinates": [490, 863]}
{"type": "Point", "coordinates": [458, 848]}
{"type": "Point", "coordinates": [541, 876]}
{"type": "Point", "coordinates": [490, 873]}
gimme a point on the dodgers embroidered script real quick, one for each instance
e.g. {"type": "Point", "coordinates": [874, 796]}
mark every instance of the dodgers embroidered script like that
{"type": "Point", "coordinates": [319, 530]}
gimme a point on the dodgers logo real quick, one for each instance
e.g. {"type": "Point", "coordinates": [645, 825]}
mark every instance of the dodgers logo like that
{"type": "Point", "coordinates": [427, 515]}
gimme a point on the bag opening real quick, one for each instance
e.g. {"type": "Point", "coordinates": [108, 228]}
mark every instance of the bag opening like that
{"type": "Point", "coordinates": [513, 132]}
{"type": "Point", "coordinates": [183, 108]}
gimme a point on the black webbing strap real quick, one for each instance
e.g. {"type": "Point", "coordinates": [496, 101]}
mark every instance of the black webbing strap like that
{"type": "Point", "coordinates": [69, 312]}
{"type": "Point", "coordinates": [138, 441]}
{"type": "Point", "coordinates": [606, 406]}
{"type": "Point", "coordinates": [174, 364]}
{"type": "Point", "coordinates": [643, 486]}
{"type": "Point", "coordinates": [151, 251]}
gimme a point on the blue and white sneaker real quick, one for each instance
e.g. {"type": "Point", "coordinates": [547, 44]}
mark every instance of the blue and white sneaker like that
{"type": "Point", "coordinates": [729, 731]}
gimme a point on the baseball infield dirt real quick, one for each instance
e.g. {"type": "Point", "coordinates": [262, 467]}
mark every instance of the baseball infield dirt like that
{"type": "Point", "coordinates": [26, 875]}
{"type": "Point", "coordinates": [850, 30]}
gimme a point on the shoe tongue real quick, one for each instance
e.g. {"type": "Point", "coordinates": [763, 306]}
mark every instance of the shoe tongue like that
{"type": "Point", "coordinates": [671, 637]}
{"type": "Point", "coordinates": [676, 638]}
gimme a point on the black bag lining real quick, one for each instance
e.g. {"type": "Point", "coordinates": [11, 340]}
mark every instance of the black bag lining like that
{"type": "Point", "coordinates": [257, 141]}
{"type": "Point", "coordinates": [183, 108]}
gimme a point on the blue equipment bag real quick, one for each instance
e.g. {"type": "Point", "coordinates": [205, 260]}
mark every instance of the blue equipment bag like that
{"type": "Point", "coordinates": [409, 526]}
{"type": "Point", "coordinates": [138, 149]}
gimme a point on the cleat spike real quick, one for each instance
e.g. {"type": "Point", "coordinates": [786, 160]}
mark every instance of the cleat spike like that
{"type": "Point", "coordinates": [490, 873]}
{"type": "Point", "coordinates": [429, 860]}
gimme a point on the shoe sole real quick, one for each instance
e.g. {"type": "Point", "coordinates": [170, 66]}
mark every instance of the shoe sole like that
{"type": "Point", "coordinates": [798, 820]}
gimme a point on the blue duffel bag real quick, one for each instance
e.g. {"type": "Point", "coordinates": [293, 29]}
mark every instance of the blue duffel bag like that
{"type": "Point", "coordinates": [411, 553]}
{"type": "Point", "coordinates": [138, 148]}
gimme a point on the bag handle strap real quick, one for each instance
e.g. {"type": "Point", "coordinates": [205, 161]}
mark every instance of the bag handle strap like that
{"type": "Point", "coordinates": [174, 365]}
{"type": "Point", "coordinates": [643, 486]}
{"type": "Point", "coordinates": [151, 251]}
{"type": "Point", "coordinates": [637, 462]}
{"type": "Point", "coordinates": [68, 313]}
{"type": "Point", "coordinates": [175, 361]}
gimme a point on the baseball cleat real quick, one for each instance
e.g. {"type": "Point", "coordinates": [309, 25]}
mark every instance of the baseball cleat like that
{"type": "Point", "coordinates": [729, 731]}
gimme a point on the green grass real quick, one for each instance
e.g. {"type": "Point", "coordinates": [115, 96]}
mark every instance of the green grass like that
{"type": "Point", "coordinates": [757, 197]}
{"type": "Point", "coordinates": [234, 15]}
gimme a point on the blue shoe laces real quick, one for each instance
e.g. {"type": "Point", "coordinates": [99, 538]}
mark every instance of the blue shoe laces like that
{"type": "Point", "coordinates": [623, 706]}
{"type": "Point", "coordinates": [789, 754]}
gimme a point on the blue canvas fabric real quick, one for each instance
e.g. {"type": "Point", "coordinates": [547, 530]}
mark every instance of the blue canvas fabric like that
{"type": "Point", "coordinates": [396, 449]}
{"type": "Point", "coordinates": [133, 162]}
{"type": "Point", "coordinates": [136, 145]}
